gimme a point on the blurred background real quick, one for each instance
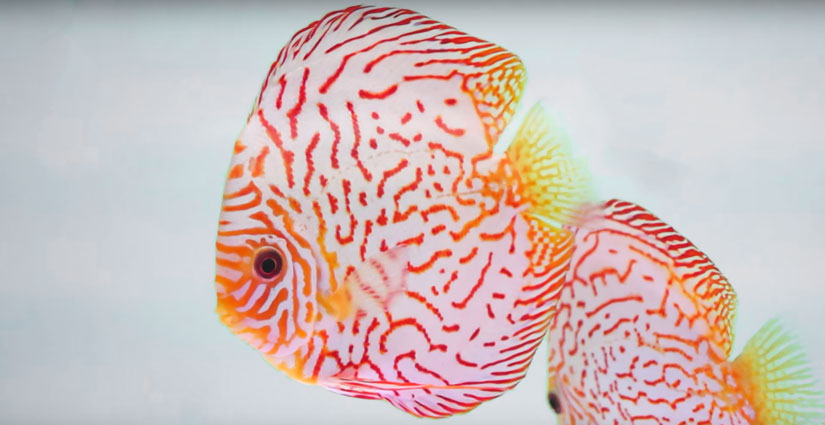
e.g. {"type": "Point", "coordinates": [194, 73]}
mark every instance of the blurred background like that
{"type": "Point", "coordinates": [117, 129]}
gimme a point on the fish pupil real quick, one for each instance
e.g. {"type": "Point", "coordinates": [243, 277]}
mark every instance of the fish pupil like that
{"type": "Point", "coordinates": [554, 401]}
{"type": "Point", "coordinates": [268, 263]}
{"type": "Point", "coordinates": [268, 266]}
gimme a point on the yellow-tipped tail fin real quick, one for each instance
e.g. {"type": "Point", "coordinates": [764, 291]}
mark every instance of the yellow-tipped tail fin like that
{"type": "Point", "coordinates": [552, 180]}
{"type": "Point", "coordinates": [778, 380]}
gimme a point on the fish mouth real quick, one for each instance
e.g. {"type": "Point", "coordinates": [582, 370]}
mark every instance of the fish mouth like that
{"type": "Point", "coordinates": [228, 318]}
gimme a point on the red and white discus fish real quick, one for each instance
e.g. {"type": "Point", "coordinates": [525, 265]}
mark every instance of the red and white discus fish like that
{"type": "Point", "coordinates": [643, 332]}
{"type": "Point", "coordinates": [370, 241]}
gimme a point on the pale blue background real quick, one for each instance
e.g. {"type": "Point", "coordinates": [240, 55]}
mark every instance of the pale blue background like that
{"type": "Point", "coordinates": [117, 128]}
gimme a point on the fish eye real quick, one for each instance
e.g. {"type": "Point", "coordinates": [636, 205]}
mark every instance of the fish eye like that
{"type": "Point", "coordinates": [554, 402]}
{"type": "Point", "coordinates": [269, 262]}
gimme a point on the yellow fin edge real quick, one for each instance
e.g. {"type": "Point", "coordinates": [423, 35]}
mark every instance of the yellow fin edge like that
{"type": "Point", "coordinates": [554, 181]}
{"type": "Point", "coordinates": [777, 378]}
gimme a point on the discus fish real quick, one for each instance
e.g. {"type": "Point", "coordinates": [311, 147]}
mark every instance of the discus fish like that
{"type": "Point", "coordinates": [370, 240]}
{"type": "Point", "coordinates": [644, 329]}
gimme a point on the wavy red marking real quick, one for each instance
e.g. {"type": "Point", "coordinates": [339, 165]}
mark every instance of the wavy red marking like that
{"type": "Point", "coordinates": [409, 322]}
{"type": "Point", "coordinates": [464, 362]}
{"type": "Point", "coordinates": [356, 131]}
{"type": "Point", "coordinates": [333, 202]}
{"type": "Point", "coordinates": [456, 132]}
{"type": "Point", "coordinates": [276, 191]}
{"type": "Point", "coordinates": [509, 230]}
{"type": "Point", "coordinates": [295, 205]}
{"type": "Point", "coordinates": [286, 156]}
{"type": "Point", "coordinates": [399, 216]}
{"type": "Point", "coordinates": [389, 173]}
{"type": "Point", "coordinates": [282, 84]}
{"type": "Point", "coordinates": [449, 75]}
{"type": "Point", "coordinates": [378, 59]}
{"type": "Point", "coordinates": [346, 185]}
{"type": "Point", "coordinates": [382, 217]}
{"type": "Point", "coordinates": [466, 259]}
{"type": "Point", "coordinates": [425, 214]}
{"type": "Point", "coordinates": [399, 138]}
{"type": "Point", "coordinates": [615, 326]}
{"type": "Point", "coordinates": [332, 78]}
{"type": "Point", "coordinates": [367, 231]}
{"type": "Point", "coordinates": [406, 22]}
{"type": "Point", "coordinates": [415, 240]}
{"type": "Point", "coordinates": [367, 13]}
{"type": "Point", "coordinates": [256, 166]}
{"type": "Point", "coordinates": [473, 223]}
{"type": "Point", "coordinates": [310, 163]}
{"type": "Point", "coordinates": [335, 131]}
{"type": "Point", "coordinates": [238, 147]}
{"type": "Point", "coordinates": [423, 300]}
{"type": "Point", "coordinates": [408, 188]}
{"type": "Point", "coordinates": [461, 305]}
{"type": "Point", "coordinates": [383, 94]}
{"type": "Point", "coordinates": [427, 264]}
{"type": "Point", "coordinates": [453, 278]}
{"type": "Point", "coordinates": [296, 109]}
{"type": "Point", "coordinates": [451, 154]}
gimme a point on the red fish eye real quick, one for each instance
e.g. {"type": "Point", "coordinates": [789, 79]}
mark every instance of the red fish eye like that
{"type": "Point", "coordinates": [268, 263]}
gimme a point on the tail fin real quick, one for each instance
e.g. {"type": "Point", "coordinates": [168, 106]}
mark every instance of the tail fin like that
{"type": "Point", "coordinates": [777, 378]}
{"type": "Point", "coordinates": [551, 179]}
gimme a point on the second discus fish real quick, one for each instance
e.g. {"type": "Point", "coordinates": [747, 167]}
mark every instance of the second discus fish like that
{"type": "Point", "coordinates": [644, 329]}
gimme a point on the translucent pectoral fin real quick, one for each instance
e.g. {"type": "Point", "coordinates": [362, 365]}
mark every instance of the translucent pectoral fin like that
{"type": "Point", "coordinates": [777, 379]}
{"type": "Point", "coordinates": [371, 286]}
{"type": "Point", "coordinates": [552, 179]}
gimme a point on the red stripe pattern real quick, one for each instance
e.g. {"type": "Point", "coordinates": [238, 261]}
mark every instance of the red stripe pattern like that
{"type": "Point", "coordinates": [411, 274]}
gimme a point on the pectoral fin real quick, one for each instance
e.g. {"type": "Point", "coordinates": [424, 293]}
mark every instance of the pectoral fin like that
{"type": "Point", "coordinates": [370, 286]}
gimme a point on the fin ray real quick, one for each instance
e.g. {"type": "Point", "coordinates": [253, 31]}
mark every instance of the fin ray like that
{"type": "Point", "coordinates": [554, 181]}
{"type": "Point", "coordinates": [777, 378]}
